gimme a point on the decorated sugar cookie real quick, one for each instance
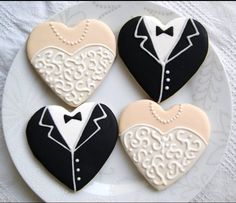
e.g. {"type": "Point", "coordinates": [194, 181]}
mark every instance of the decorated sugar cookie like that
{"type": "Point", "coordinates": [73, 61]}
{"type": "Point", "coordinates": [162, 57]}
{"type": "Point", "coordinates": [73, 146]}
{"type": "Point", "coordinates": [163, 144]}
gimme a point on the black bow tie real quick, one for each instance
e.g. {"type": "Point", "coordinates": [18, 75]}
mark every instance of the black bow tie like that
{"type": "Point", "coordinates": [76, 116]}
{"type": "Point", "coordinates": [168, 31]}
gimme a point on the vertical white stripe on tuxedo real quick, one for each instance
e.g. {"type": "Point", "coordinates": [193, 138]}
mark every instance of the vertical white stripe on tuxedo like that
{"type": "Point", "coordinates": [73, 170]}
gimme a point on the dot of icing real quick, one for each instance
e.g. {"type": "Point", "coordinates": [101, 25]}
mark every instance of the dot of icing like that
{"type": "Point", "coordinates": [167, 79]}
{"type": "Point", "coordinates": [78, 169]}
{"type": "Point", "coordinates": [77, 160]}
{"type": "Point", "coordinates": [167, 88]}
{"type": "Point", "coordinates": [78, 178]}
{"type": "Point", "coordinates": [167, 72]}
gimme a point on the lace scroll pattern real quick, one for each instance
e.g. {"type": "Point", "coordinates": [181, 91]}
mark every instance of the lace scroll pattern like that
{"type": "Point", "coordinates": [162, 158]}
{"type": "Point", "coordinates": [73, 77]}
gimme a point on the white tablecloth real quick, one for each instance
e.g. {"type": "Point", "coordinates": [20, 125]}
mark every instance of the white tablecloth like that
{"type": "Point", "coordinates": [18, 18]}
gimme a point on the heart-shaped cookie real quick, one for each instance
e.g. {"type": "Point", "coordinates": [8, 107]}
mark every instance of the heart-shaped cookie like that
{"type": "Point", "coordinates": [162, 58]}
{"type": "Point", "coordinates": [73, 61]}
{"type": "Point", "coordinates": [163, 145]}
{"type": "Point", "coordinates": [73, 146]}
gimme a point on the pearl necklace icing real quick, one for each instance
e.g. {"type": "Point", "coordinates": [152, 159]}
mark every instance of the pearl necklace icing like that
{"type": "Point", "coordinates": [68, 42]}
{"type": "Point", "coordinates": [166, 121]}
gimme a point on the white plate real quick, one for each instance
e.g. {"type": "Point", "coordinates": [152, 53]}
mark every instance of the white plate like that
{"type": "Point", "coordinates": [118, 180]}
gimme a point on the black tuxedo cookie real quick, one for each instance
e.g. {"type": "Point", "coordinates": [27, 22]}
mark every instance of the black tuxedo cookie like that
{"type": "Point", "coordinates": [73, 146]}
{"type": "Point", "coordinates": [162, 58]}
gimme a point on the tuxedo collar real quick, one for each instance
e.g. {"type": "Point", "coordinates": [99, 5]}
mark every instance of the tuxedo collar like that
{"type": "Point", "coordinates": [183, 44]}
{"type": "Point", "coordinates": [46, 121]}
{"type": "Point", "coordinates": [93, 125]}
{"type": "Point", "coordinates": [146, 43]}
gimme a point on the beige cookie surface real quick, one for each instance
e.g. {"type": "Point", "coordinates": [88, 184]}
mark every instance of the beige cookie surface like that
{"type": "Point", "coordinates": [163, 144]}
{"type": "Point", "coordinates": [73, 61]}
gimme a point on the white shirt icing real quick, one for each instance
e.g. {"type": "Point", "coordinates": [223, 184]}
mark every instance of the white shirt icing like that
{"type": "Point", "coordinates": [163, 43]}
{"type": "Point", "coordinates": [72, 130]}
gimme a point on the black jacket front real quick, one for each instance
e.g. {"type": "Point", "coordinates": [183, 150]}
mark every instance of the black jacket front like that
{"type": "Point", "coordinates": [138, 53]}
{"type": "Point", "coordinates": [74, 168]}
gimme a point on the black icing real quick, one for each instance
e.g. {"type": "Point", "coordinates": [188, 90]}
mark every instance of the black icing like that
{"type": "Point", "coordinates": [168, 31]}
{"type": "Point", "coordinates": [77, 116]}
{"type": "Point", "coordinates": [57, 157]}
{"type": "Point", "coordinates": [146, 69]}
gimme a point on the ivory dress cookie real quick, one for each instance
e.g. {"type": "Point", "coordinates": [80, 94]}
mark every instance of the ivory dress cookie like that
{"type": "Point", "coordinates": [73, 61]}
{"type": "Point", "coordinates": [162, 58]}
{"type": "Point", "coordinates": [163, 144]}
{"type": "Point", "coordinates": [73, 146]}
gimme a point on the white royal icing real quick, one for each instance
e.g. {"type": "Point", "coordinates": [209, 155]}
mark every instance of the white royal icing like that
{"type": "Point", "coordinates": [162, 158]}
{"type": "Point", "coordinates": [74, 77]}
{"type": "Point", "coordinates": [164, 44]}
{"type": "Point", "coordinates": [72, 130]}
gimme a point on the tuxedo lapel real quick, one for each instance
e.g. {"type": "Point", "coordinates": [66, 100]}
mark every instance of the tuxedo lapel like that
{"type": "Point", "coordinates": [184, 42]}
{"type": "Point", "coordinates": [146, 43]}
{"type": "Point", "coordinates": [46, 121]}
{"type": "Point", "coordinates": [93, 125]}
